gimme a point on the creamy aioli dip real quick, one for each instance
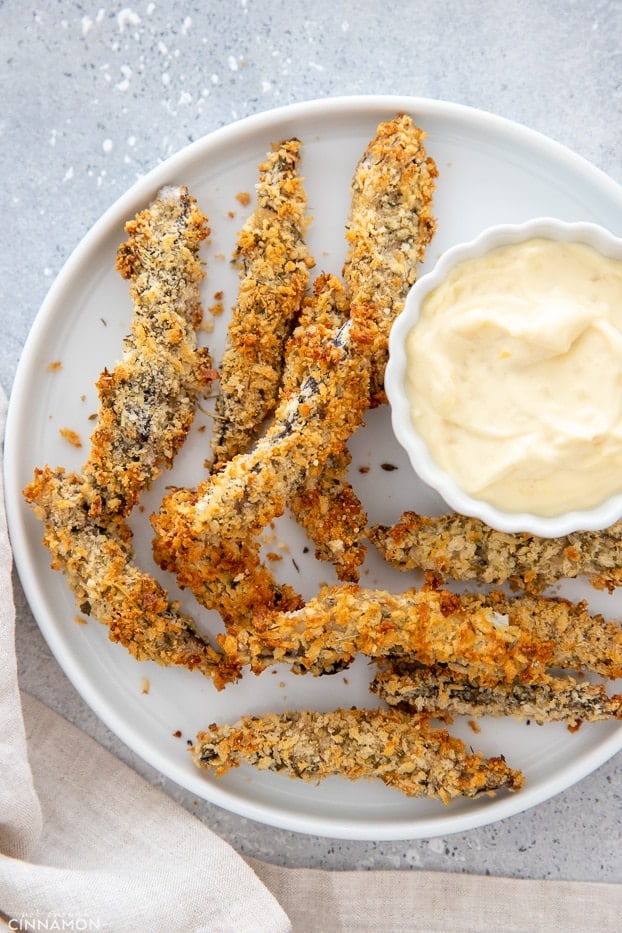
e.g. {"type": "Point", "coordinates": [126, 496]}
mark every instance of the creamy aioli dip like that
{"type": "Point", "coordinates": [515, 376]}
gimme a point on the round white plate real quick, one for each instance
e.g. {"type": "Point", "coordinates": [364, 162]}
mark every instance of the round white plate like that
{"type": "Point", "coordinates": [491, 170]}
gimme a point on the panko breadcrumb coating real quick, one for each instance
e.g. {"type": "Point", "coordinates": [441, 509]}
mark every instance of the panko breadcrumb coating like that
{"type": "Point", "coordinates": [489, 638]}
{"type": "Point", "coordinates": [146, 407]}
{"type": "Point", "coordinates": [402, 751]}
{"type": "Point", "coordinates": [97, 561]}
{"type": "Point", "coordinates": [438, 691]}
{"type": "Point", "coordinates": [312, 420]}
{"type": "Point", "coordinates": [227, 576]}
{"type": "Point", "coordinates": [462, 548]}
{"type": "Point", "coordinates": [389, 227]}
{"type": "Point", "coordinates": [147, 402]}
{"type": "Point", "coordinates": [325, 504]}
{"type": "Point", "coordinates": [275, 263]}
{"type": "Point", "coordinates": [331, 513]}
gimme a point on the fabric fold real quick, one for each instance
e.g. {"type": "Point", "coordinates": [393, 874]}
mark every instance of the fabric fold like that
{"type": "Point", "coordinates": [437, 902]}
{"type": "Point", "coordinates": [117, 854]}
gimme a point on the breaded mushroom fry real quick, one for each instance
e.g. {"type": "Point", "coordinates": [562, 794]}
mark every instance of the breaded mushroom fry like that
{"type": "Point", "coordinates": [146, 407]}
{"type": "Point", "coordinates": [489, 638]}
{"type": "Point", "coordinates": [402, 751]}
{"type": "Point", "coordinates": [324, 503]}
{"type": "Point", "coordinates": [388, 229]}
{"type": "Point", "coordinates": [311, 421]}
{"type": "Point", "coordinates": [463, 548]}
{"type": "Point", "coordinates": [274, 274]}
{"type": "Point", "coordinates": [99, 566]}
{"type": "Point", "coordinates": [147, 402]}
{"type": "Point", "coordinates": [438, 691]}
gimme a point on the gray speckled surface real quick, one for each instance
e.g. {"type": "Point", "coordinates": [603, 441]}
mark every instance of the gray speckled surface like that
{"type": "Point", "coordinates": [96, 95]}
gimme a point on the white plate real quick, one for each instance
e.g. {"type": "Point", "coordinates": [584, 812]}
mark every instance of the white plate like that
{"type": "Point", "coordinates": [491, 170]}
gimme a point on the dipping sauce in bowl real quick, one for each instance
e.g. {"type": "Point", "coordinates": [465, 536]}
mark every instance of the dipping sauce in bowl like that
{"type": "Point", "coordinates": [506, 370]}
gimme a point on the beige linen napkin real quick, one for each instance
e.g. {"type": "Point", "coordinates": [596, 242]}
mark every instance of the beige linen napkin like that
{"type": "Point", "coordinates": [439, 902]}
{"type": "Point", "coordinates": [87, 844]}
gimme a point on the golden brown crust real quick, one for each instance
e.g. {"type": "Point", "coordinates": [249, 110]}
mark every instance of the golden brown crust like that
{"type": "Point", "coordinates": [275, 263]}
{"type": "Point", "coordinates": [311, 421]}
{"type": "Point", "coordinates": [491, 638]}
{"type": "Point", "coordinates": [146, 406]}
{"type": "Point", "coordinates": [147, 401]}
{"type": "Point", "coordinates": [402, 751]}
{"type": "Point", "coordinates": [325, 504]}
{"type": "Point", "coordinates": [389, 228]}
{"type": "Point", "coordinates": [333, 517]}
{"type": "Point", "coordinates": [322, 400]}
{"type": "Point", "coordinates": [226, 575]}
{"type": "Point", "coordinates": [96, 557]}
{"type": "Point", "coordinates": [462, 548]}
{"type": "Point", "coordinates": [438, 691]}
